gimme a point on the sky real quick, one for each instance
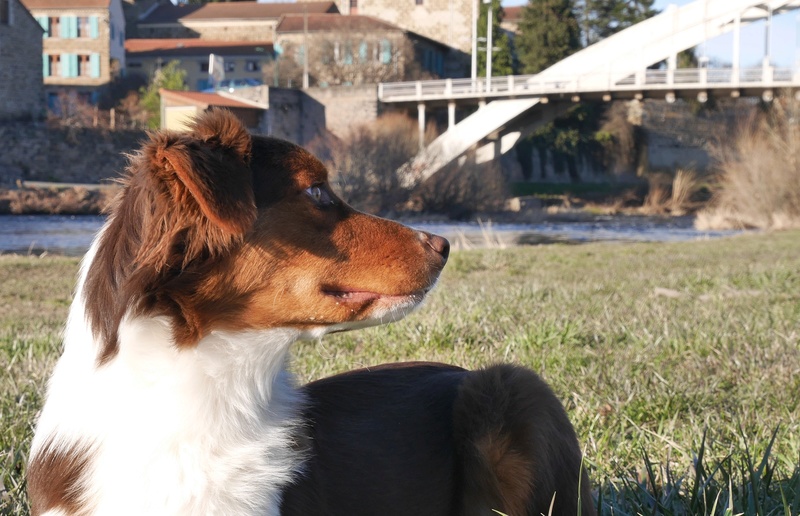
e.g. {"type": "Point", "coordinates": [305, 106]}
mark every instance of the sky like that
{"type": "Point", "coordinates": [785, 47]}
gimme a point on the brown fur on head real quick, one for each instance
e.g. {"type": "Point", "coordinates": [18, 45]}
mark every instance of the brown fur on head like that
{"type": "Point", "coordinates": [217, 229]}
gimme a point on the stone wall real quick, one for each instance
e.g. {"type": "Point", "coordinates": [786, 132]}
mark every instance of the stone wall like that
{"type": "Point", "coordinates": [445, 21]}
{"type": "Point", "coordinates": [680, 135]}
{"type": "Point", "coordinates": [21, 88]}
{"type": "Point", "coordinates": [35, 152]}
{"type": "Point", "coordinates": [346, 107]}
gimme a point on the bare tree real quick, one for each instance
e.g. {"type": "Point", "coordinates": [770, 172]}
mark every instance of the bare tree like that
{"type": "Point", "coordinates": [352, 58]}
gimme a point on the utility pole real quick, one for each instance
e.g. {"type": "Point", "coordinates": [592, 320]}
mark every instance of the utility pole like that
{"type": "Point", "coordinates": [488, 44]}
{"type": "Point", "coordinates": [305, 47]}
{"type": "Point", "coordinates": [474, 40]}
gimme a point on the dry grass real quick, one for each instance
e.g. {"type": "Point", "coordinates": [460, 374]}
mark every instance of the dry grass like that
{"type": "Point", "coordinates": [671, 195]}
{"type": "Point", "coordinates": [759, 180]}
{"type": "Point", "coordinates": [68, 201]}
{"type": "Point", "coordinates": [676, 398]}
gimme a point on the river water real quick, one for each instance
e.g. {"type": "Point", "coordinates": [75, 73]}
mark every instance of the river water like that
{"type": "Point", "coordinates": [72, 235]}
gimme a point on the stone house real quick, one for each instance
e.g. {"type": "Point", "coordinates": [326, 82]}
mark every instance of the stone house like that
{"type": "Point", "coordinates": [446, 21]}
{"type": "Point", "coordinates": [21, 87]}
{"type": "Point", "coordinates": [353, 50]}
{"type": "Point", "coordinates": [223, 21]}
{"type": "Point", "coordinates": [241, 59]}
{"type": "Point", "coordinates": [83, 46]}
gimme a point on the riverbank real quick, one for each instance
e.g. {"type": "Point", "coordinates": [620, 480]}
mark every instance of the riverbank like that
{"type": "Point", "coordinates": [34, 198]}
{"type": "Point", "coordinates": [675, 361]}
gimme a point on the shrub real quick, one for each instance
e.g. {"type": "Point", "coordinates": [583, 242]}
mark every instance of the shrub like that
{"type": "Point", "coordinates": [460, 190]}
{"type": "Point", "coordinates": [759, 172]}
{"type": "Point", "coordinates": [365, 164]}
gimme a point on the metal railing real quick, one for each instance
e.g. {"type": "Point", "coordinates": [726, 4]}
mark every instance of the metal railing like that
{"type": "Point", "coordinates": [545, 84]}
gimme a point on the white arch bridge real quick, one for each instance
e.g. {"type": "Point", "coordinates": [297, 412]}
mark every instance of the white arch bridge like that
{"type": "Point", "coordinates": [614, 68]}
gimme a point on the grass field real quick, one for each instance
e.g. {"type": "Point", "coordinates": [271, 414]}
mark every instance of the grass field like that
{"type": "Point", "coordinates": [678, 363]}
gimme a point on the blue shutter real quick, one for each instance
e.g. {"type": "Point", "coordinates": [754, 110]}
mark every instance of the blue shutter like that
{"type": "Point", "coordinates": [65, 69]}
{"type": "Point", "coordinates": [45, 65]}
{"type": "Point", "coordinates": [94, 61]}
{"type": "Point", "coordinates": [69, 65]}
{"type": "Point", "coordinates": [386, 51]}
{"type": "Point", "coordinates": [362, 52]}
{"type": "Point", "coordinates": [348, 53]}
{"type": "Point", "coordinates": [69, 26]}
{"type": "Point", "coordinates": [94, 29]}
{"type": "Point", "coordinates": [44, 21]}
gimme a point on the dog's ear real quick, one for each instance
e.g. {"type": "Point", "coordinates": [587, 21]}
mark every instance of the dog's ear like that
{"type": "Point", "coordinates": [211, 162]}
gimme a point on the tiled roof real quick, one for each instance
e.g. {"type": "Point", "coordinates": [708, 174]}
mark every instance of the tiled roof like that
{"type": "Point", "coordinates": [513, 14]}
{"type": "Point", "coordinates": [65, 4]}
{"type": "Point", "coordinates": [205, 99]}
{"type": "Point", "coordinates": [333, 22]}
{"type": "Point", "coordinates": [169, 14]}
{"type": "Point", "coordinates": [191, 47]}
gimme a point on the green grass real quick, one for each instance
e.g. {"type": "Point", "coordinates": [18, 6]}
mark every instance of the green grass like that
{"type": "Point", "coordinates": [585, 190]}
{"type": "Point", "coordinates": [679, 363]}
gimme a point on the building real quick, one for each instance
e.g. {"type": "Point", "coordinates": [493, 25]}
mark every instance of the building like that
{"type": "Point", "coordinates": [353, 50]}
{"type": "Point", "coordinates": [240, 59]}
{"type": "Point", "coordinates": [178, 108]}
{"type": "Point", "coordinates": [289, 114]}
{"type": "Point", "coordinates": [83, 46]}
{"type": "Point", "coordinates": [446, 21]}
{"type": "Point", "coordinates": [21, 87]}
{"type": "Point", "coordinates": [223, 21]}
{"type": "Point", "coordinates": [512, 19]}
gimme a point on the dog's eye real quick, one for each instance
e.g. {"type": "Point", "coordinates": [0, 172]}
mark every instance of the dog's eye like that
{"type": "Point", "coordinates": [319, 195]}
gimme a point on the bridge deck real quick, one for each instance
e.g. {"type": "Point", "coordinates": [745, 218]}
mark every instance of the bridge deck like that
{"type": "Point", "coordinates": [652, 82]}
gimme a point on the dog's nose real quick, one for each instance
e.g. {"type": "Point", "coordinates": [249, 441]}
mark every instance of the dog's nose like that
{"type": "Point", "coordinates": [437, 243]}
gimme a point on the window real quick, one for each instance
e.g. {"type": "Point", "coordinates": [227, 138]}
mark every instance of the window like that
{"type": "Point", "coordinates": [252, 66]}
{"type": "Point", "coordinates": [89, 65]}
{"type": "Point", "coordinates": [133, 64]}
{"type": "Point", "coordinates": [419, 2]}
{"type": "Point", "coordinates": [353, 4]}
{"type": "Point", "coordinates": [54, 23]}
{"type": "Point", "coordinates": [204, 67]}
{"type": "Point", "coordinates": [87, 27]}
{"type": "Point", "coordinates": [5, 12]}
{"type": "Point", "coordinates": [230, 67]}
{"type": "Point", "coordinates": [84, 67]}
{"type": "Point", "coordinates": [53, 65]}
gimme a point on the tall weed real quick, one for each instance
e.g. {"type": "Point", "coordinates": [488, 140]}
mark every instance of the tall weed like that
{"type": "Point", "coordinates": [759, 179]}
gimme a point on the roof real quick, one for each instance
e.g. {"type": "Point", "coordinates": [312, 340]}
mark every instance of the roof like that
{"type": "Point", "coordinates": [190, 47]}
{"type": "Point", "coordinates": [332, 22]}
{"type": "Point", "coordinates": [205, 99]}
{"type": "Point", "coordinates": [66, 4]}
{"type": "Point", "coordinates": [513, 14]}
{"type": "Point", "coordinates": [168, 13]}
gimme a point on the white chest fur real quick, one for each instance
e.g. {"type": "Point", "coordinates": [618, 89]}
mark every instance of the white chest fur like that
{"type": "Point", "coordinates": [209, 430]}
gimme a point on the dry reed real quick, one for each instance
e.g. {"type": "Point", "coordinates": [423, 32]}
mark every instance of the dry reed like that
{"type": "Point", "coordinates": [759, 179]}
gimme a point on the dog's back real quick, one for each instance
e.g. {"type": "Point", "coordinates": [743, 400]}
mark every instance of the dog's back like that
{"type": "Point", "coordinates": [433, 439]}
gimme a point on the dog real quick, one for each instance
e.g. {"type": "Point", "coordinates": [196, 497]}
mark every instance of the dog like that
{"type": "Point", "coordinates": [173, 395]}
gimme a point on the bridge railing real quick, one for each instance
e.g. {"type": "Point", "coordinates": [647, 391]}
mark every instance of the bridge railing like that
{"type": "Point", "coordinates": [546, 84]}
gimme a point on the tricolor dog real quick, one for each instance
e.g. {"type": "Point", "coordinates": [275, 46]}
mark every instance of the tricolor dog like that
{"type": "Point", "coordinates": [173, 395]}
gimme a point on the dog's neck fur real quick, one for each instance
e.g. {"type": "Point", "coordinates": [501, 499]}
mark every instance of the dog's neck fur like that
{"type": "Point", "coordinates": [208, 430]}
